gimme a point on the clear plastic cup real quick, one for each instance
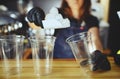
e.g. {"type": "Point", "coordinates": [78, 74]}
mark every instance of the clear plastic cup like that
{"type": "Point", "coordinates": [42, 54]}
{"type": "Point", "coordinates": [79, 44]}
{"type": "Point", "coordinates": [11, 51]}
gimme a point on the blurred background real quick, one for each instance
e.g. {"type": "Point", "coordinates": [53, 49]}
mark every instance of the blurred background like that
{"type": "Point", "coordinates": [13, 12]}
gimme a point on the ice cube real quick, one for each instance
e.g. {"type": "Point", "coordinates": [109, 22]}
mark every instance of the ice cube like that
{"type": "Point", "coordinates": [54, 10]}
{"type": "Point", "coordinates": [65, 22]}
{"type": "Point", "coordinates": [51, 24]}
{"type": "Point", "coordinates": [54, 20]}
{"type": "Point", "coordinates": [54, 16]}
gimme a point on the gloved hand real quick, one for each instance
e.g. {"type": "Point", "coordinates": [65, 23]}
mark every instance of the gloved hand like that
{"type": "Point", "coordinates": [100, 61]}
{"type": "Point", "coordinates": [36, 15]}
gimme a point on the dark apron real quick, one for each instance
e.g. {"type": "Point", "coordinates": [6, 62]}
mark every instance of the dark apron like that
{"type": "Point", "coordinates": [62, 49]}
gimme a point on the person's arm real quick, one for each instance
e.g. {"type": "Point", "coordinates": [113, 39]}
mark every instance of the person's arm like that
{"type": "Point", "coordinates": [95, 38]}
{"type": "Point", "coordinates": [99, 59]}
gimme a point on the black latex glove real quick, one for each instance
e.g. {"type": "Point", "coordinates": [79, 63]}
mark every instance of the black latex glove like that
{"type": "Point", "coordinates": [100, 61]}
{"type": "Point", "coordinates": [36, 15]}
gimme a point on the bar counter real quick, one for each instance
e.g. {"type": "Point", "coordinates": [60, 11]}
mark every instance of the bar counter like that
{"type": "Point", "coordinates": [63, 69]}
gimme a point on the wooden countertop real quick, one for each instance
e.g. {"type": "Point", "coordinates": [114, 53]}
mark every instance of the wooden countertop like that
{"type": "Point", "coordinates": [63, 69]}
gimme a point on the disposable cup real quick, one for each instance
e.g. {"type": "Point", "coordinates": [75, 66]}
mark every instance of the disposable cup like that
{"type": "Point", "coordinates": [79, 44]}
{"type": "Point", "coordinates": [11, 51]}
{"type": "Point", "coordinates": [42, 54]}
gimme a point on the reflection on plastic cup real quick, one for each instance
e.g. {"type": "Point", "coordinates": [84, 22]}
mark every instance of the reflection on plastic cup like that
{"type": "Point", "coordinates": [42, 54]}
{"type": "Point", "coordinates": [79, 44]}
{"type": "Point", "coordinates": [11, 53]}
